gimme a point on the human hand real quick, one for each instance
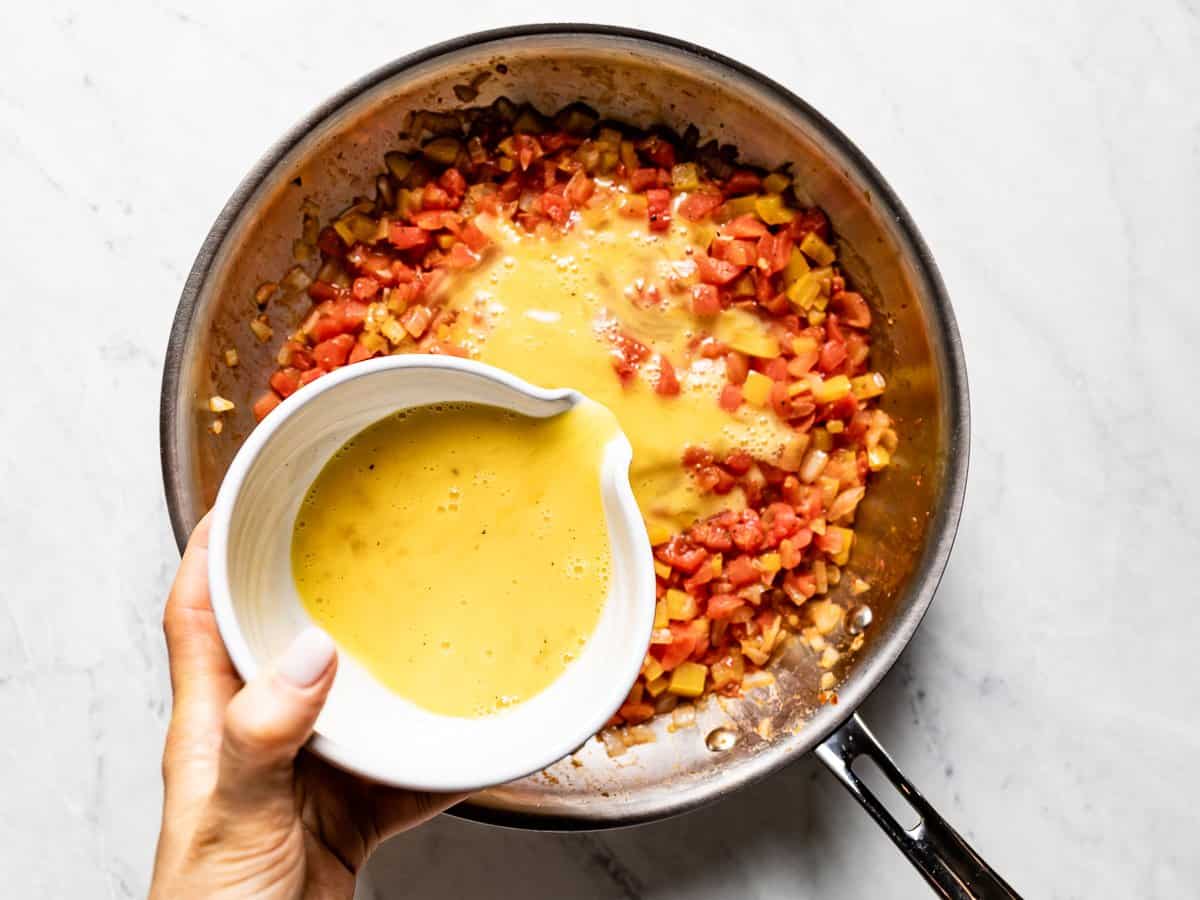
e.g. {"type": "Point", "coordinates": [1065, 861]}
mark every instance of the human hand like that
{"type": "Point", "coordinates": [247, 812]}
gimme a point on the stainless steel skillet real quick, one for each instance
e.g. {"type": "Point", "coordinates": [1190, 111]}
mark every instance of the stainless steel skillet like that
{"type": "Point", "coordinates": [906, 526]}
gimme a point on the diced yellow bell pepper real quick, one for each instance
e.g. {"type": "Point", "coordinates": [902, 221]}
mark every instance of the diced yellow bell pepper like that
{"type": "Point", "coordinates": [446, 241]}
{"type": "Point", "coordinates": [744, 286]}
{"type": "Point", "coordinates": [842, 556]}
{"type": "Point", "coordinates": [716, 562]}
{"type": "Point", "coordinates": [629, 157]}
{"type": "Point", "coordinates": [796, 266]}
{"type": "Point", "coordinates": [864, 387]}
{"type": "Point", "coordinates": [771, 209]}
{"type": "Point", "coordinates": [661, 569]}
{"type": "Point", "coordinates": [658, 532]}
{"type": "Point", "coordinates": [803, 292]}
{"type": "Point", "coordinates": [804, 345]}
{"type": "Point", "coordinates": [815, 317]}
{"type": "Point", "coordinates": [688, 680]}
{"type": "Point", "coordinates": [878, 458]}
{"type": "Point", "coordinates": [757, 389]}
{"type": "Point", "coordinates": [657, 686]}
{"type": "Point", "coordinates": [661, 618]}
{"type": "Point", "coordinates": [681, 605]}
{"type": "Point", "coordinates": [821, 439]}
{"type": "Point", "coordinates": [831, 389]}
{"type": "Point", "coordinates": [796, 388]}
{"type": "Point", "coordinates": [651, 668]}
{"type": "Point", "coordinates": [685, 177]}
{"type": "Point", "coordinates": [776, 183]}
{"type": "Point", "coordinates": [835, 426]}
{"type": "Point", "coordinates": [769, 563]}
{"type": "Point", "coordinates": [817, 250]}
{"type": "Point", "coordinates": [738, 206]}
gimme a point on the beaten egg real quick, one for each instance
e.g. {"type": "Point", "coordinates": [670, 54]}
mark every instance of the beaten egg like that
{"type": "Point", "coordinates": [460, 552]}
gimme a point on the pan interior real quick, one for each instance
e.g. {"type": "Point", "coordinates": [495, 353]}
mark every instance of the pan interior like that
{"type": "Point", "coordinates": [905, 524]}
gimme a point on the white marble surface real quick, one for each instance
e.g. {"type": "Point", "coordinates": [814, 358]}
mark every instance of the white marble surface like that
{"type": "Point", "coordinates": [1051, 155]}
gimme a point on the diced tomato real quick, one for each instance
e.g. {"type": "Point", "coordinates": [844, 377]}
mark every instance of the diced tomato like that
{"type": "Point", "coordinates": [406, 237]}
{"type": "Point", "coordinates": [705, 300]}
{"type": "Point", "coordinates": [325, 327]}
{"type": "Point", "coordinates": [641, 179]}
{"type": "Point", "coordinates": [743, 181]}
{"type": "Point", "coordinates": [364, 288]}
{"type": "Point", "coordinates": [416, 320]}
{"type": "Point", "coordinates": [264, 404]}
{"type": "Point", "coordinates": [742, 571]}
{"type": "Point", "coordinates": [627, 354]}
{"type": "Point", "coordinates": [579, 189]}
{"type": "Point", "coordinates": [434, 196]}
{"type": "Point", "coordinates": [716, 271]}
{"type": "Point", "coordinates": [437, 219]}
{"type": "Point", "coordinates": [800, 586]}
{"type": "Point", "coordinates": [711, 536]}
{"type": "Point", "coordinates": [555, 207]}
{"type": "Point", "coordinates": [851, 308]}
{"type": "Point", "coordinates": [808, 220]}
{"type": "Point", "coordinates": [635, 713]}
{"type": "Point", "coordinates": [329, 243]}
{"type": "Point", "coordinates": [780, 520]}
{"type": "Point", "coordinates": [285, 382]}
{"type": "Point", "coordinates": [699, 205]}
{"type": "Point", "coordinates": [737, 367]}
{"type": "Point", "coordinates": [744, 226]}
{"type": "Point", "coordinates": [682, 554]}
{"type": "Point", "coordinates": [684, 639]}
{"type": "Point", "coordinates": [740, 253]}
{"type": "Point", "coordinates": [311, 375]}
{"type": "Point", "coordinates": [333, 353]}
{"type": "Point", "coordinates": [453, 182]}
{"type": "Point", "coordinates": [461, 257]}
{"type": "Point", "coordinates": [789, 553]}
{"type": "Point", "coordinates": [658, 150]}
{"type": "Point", "coordinates": [658, 205]}
{"type": "Point", "coordinates": [714, 480]}
{"type": "Point", "coordinates": [351, 314]}
{"type": "Point", "coordinates": [668, 383]}
{"type": "Point", "coordinates": [833, 354]}
{"type": "Point", "coordinates": [731, 397]}
{"type": "Point", "coordinates": [722, 606]}
{"type": "Point", "coordinates": [738, 462]}
{"type": "Point", "coordinates": [775, 369]}
{"type": "Point", "coordinates": [401, 274]}
{"type": "Point", "coordinates": [747, 536]}
{"type": "Point", "coordinates": [360, 353]}
{"type": "Point", "coordinates": [474, 237]}
{"type": "Point", "coordinates": [773, 252]}
{"type": "Point", "coordinates": [322, 290]}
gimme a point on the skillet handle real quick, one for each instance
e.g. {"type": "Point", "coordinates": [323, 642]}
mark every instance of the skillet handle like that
{"type": "Point", "coordinates": [936, 850]}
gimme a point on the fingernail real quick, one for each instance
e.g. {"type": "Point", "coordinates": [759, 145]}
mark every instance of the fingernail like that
{"type": "Point", "coordinates": [307, 658]}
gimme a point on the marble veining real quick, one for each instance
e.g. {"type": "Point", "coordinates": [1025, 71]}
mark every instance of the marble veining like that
{"type": "Point", "coordinates": [1051, 155]}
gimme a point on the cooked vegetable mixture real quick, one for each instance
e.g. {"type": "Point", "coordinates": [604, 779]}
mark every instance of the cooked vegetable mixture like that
{"type": "Point", "coordinates": [739, 306]}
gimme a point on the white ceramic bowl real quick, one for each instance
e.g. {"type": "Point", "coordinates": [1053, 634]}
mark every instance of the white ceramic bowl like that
{"type": "Point", "coordinates": [365, 727]}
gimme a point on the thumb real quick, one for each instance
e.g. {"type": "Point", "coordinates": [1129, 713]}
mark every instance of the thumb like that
{"type": "Point", "coordinates": [268, 721]}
